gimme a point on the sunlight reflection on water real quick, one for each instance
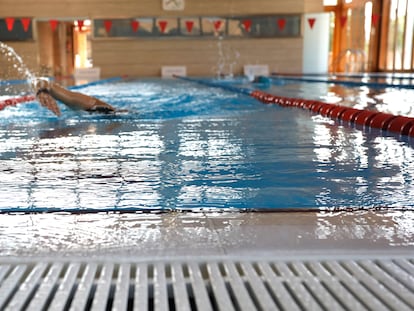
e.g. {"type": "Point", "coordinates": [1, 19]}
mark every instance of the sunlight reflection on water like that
{"type": "Point", "coordinates": [187, 147]}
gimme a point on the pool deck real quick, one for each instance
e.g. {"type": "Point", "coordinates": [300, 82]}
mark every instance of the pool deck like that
{"type": "Point", "coordinates": [164, 236]}
{"type": "Point", "coordinates": [361, 260]}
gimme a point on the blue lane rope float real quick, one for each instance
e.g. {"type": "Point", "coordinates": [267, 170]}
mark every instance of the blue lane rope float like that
{"type": "Point", "coordinates": [343, 82]}
{"type": "Point", "coordinates": [366, 118]}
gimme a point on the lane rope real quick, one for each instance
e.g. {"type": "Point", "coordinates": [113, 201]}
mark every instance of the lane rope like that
{"type": "Point", "coordinates": [16, 100]}
{"type": "Point", "coordinates": [365, 118]}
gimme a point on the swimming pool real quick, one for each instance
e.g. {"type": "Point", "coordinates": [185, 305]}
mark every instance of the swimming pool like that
{"type": "Point", "coordinates": [183, 146]}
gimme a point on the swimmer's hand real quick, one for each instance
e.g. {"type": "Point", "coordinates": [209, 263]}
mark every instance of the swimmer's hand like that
{"type": "Point", "coordinates": [102, 107]}
{"type": "Point", "coordinates": [44, 97]}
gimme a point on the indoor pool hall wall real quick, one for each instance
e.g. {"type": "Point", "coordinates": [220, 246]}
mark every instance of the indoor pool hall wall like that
{"type": "Point", "coordinates": [145, 56]}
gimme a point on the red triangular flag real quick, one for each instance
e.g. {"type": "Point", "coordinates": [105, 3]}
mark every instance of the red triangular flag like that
{"type": "Point", "coordinates": [135, 25]}
{"type": "Point", "coordinates": [163, 25]}
{"type": "Point", "coordinates": [80, 25]}
{"type": "Point", "coordinates": [247, 24]}
{"type": "Point", "coordinates": [343, 20]}
{"type": "Point", "coordinates": [375, 19]}
{"type": "Point", "coordinates": [108, 25]}
{"type": "Point", "coordinates": [9, 23]}
{"type": "Point", "coordinates": [53, 24]}
{"type": "Point", "coordinates": [281, 22]}
{"type": "Point", "coordinates": [217, 25]}
{"type": "Point", "coordinates": [189, 25]}
{"type": "Point", "coordinates": [25, 23]}
{"type": "Point", "coordinates": [311, 22]}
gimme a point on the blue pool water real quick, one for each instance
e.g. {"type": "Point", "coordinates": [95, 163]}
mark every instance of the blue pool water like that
{"type": "Point", "coordinates": [185, 146]}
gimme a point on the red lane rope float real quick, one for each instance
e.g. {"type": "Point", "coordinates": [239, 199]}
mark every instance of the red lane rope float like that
{"type": "Point", "coordinates": [366, 118]}
{"type": "Point", "coordinates": [16, 100]}
{"type": "Point", "coordinates": [401, 124]}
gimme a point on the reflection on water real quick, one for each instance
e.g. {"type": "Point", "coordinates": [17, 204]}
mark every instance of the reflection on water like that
{"type": "Point", "coordinates": [389, 100]}
{"type": "Point", "coordinates": [392, 227]}
{"type": "Point", "coordinates": [376, 171]}
{"type": "Point", "coordinates": [166, 234]}
{"type": "Point", "coordinates": [188, 147]}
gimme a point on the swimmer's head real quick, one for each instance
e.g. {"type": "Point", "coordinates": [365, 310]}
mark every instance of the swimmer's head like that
{"type": "Point", "coordinates": [40, 84]}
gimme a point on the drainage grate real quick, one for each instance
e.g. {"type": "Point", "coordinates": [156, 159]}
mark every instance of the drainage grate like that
{"type": "Point", "coordinates": [213, 285]}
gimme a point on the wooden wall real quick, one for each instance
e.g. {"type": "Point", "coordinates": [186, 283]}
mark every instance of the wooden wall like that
{"type": "Point", "coordinates": [144, 57]}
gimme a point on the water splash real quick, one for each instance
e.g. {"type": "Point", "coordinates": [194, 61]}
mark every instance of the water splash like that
{"type": "Point", "coordinates": [227, 59]}
{"type": "Point", "coordinates": [16, 62]}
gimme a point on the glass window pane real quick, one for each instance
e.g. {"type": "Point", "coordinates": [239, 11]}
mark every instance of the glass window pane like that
{"type": "Point", "coordinates": [330, 2]}
{"type": "Point", "coordinates": [18, 31]}
{"type": "Point", "coordinates": [391, 35]}
{"type": "Point", "coordinates": [399, 46]}
{"type": "Point", "coordinates": [408, 49]}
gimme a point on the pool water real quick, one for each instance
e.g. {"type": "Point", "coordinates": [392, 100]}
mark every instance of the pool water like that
{"type": "Point", "coordinates": [183, 146]}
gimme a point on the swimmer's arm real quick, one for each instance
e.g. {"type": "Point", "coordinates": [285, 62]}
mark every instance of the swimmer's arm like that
{"type": "Point", "coordinates": [79, 101]}
{"type": "Point", "coordinates": [46, 100]}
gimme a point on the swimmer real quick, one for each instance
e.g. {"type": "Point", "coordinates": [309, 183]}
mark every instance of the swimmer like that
{"type": "Point", "coordinates": [48, 92]}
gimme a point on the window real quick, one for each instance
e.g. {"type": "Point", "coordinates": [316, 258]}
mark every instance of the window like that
{"type": "Point", "coordinates": [15, 29]}
{"type": "Point", "coordinates": [397, 48]}
{"type": "Point", "coordinates": [330, 2]}
{"type": "Point", "coordinates": [203, 27]}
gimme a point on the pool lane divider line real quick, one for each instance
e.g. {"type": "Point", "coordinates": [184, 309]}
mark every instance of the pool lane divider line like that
{"type": "Point", "coordinates": [370, 75]}
{"type": "Point", "coordinates": [12, 82]}
{"type": "Point", "coordinates": [97, 82]}
{"type": "Point", "coordinates": [344, 82]}
{"type": "Point", "coordinates": [28, 98]}
{"type": "Point", "coordinates": [365, 118]}
{"type": "Point", "coordinates": [225, 86]}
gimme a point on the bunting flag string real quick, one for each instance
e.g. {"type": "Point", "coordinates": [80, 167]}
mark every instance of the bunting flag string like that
{"type": "Point", "coordinates": [246, 24]}
{"type": "Point", "coordinates": [108, 24]}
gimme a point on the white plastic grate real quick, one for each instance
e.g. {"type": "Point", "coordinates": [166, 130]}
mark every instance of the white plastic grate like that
{"type": "Point", "coordinates": [213, 285]}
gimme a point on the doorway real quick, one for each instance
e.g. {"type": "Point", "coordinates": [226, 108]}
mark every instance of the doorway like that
{"type": "Point", "coordinates": [64, 45]}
